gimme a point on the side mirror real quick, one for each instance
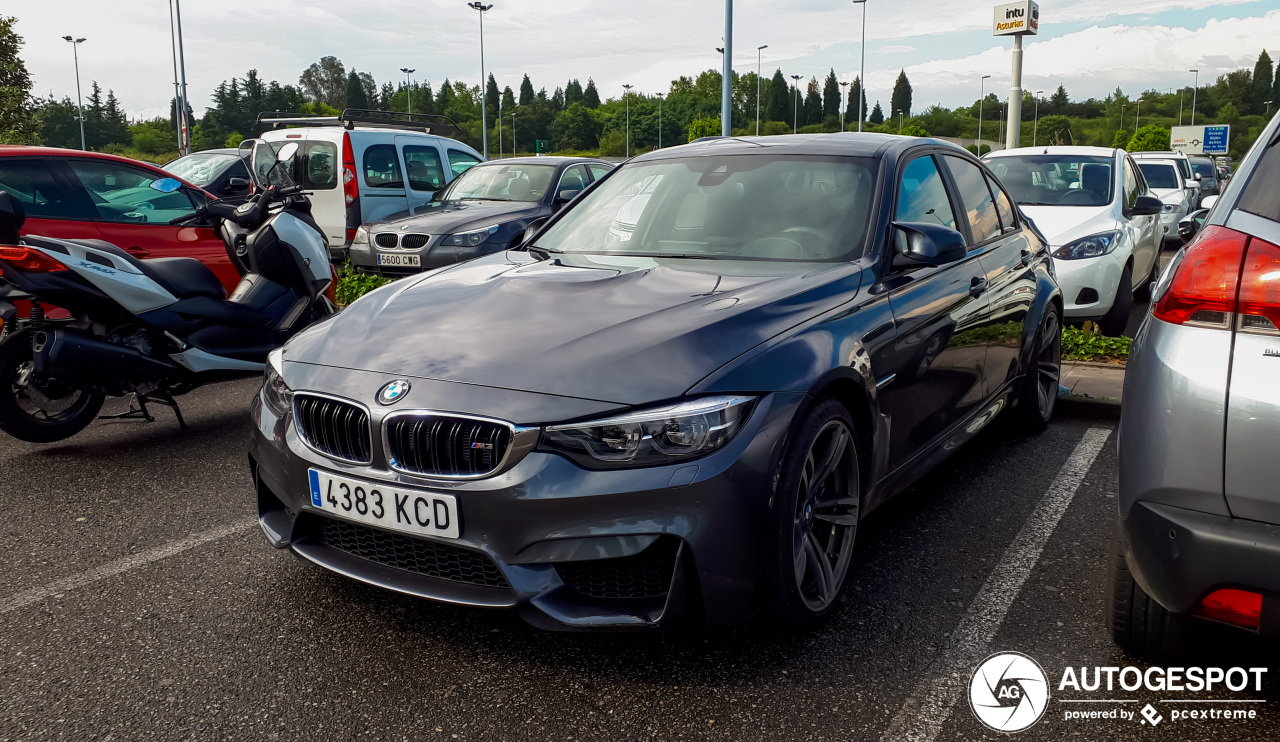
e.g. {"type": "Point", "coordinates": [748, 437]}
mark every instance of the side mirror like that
{"type": "Point", "coordinates": [1187, 228]}
{"type": "Point", "coordinates": [532, 230]}
{"type": "Point", "coordinates": [565, 196]}
{"type": "Point", "coordinates": [237, 184]}
{"type": "Point", "coordinates": [921, 243]}
{"type": "Point", "coordinates": [1147, 206]}
{"type": "Point", "coordinates": [1197, 176]}
{"type": "Point", "coordinates": [166, 185]}
{"type": "Point", "coordinates": [1207, 202]}
{"type": "Point", "coordinates": [1192, 184]}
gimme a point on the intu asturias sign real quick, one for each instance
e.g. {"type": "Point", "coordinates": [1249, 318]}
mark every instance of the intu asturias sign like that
{"type": "Point", "coordinates": [1017, 19]}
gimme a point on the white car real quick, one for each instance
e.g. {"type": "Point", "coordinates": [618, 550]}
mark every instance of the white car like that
{"type": "Point", "coordinates": [365, 166]}
{"type": "Point", "coordinates": [1166, 183]}
{"type": "Point", "coordinates": [1102, 223]}
{"type": "Point", "coordinates": [1186, 169]}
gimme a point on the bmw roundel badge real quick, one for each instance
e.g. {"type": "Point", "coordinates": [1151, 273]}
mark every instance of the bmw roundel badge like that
{"type": "Point", "coordinates": [393, 391]}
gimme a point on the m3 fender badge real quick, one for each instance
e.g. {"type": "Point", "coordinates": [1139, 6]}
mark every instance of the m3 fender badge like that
{"type": "Point", "coordinates": [393, 391]}
{"type": "Point", "coordinates": [1273, 352]}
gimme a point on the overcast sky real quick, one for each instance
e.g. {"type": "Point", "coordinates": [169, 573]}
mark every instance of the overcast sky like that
{"type": "Point", "coordinates": [1091, 46]}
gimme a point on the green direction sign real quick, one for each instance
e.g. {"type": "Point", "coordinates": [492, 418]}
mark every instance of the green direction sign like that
{"type": "Point", "coordinates": [542, 146]}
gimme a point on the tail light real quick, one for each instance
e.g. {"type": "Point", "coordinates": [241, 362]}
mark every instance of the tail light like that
{"type": "Point", "coordinates": [29, 260]}
{"type": "Point", "coordinates": [1238, 607]}
{"type": "Point", "coordinates": [1224, 275]}
{"type": "Point", "coordinates": [350, 188]}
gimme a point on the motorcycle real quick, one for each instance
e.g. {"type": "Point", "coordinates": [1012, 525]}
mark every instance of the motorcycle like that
{"type": "Point", "coordinates": [154, 329]}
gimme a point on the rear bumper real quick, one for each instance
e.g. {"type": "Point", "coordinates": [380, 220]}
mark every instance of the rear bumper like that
{"type": "Point", "coordinates": [1178, 556]}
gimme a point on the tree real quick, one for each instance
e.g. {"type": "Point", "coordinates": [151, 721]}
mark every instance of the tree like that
{"type": "Point", "coordinates": [811, 109]}
{"type": "Point", "coordinates": [914, 130]}
{"type": "Point", "coordinates": [526, 92]}
{"type": "Point", "coordinates": [575, 129]}
{"type": "Point", "coordinates": [1263, 83]}
{"type": "Point", "coordinates": [1150, 138]}
{"type": "Point", "coordinates": [572, 93]}
{"type": "Point", "coordinates": [856, 95]}
{"type": "Point", "coordinates": [1056, 130]}
{"type": "Point", "coordinates": [491, 95]}
{"type": "Point", "coordinates": [591, 96]}
{"type": "Point", "coordinates": [877, 116]}
{"type": "Point", "coordinates": [1059, 102]}
{"type": "Point", "coordinates": [1235, 88]}
{"type": "Point", "coordinates": [356, 97]}
{"type": "Point", "coordinates": [18, 124]}
{"type": "Point", "coordinates": [444, 98]}
{"type": "Point", "coordinates": [508, 100]}
{"type": "Point", "coordinates": [325, 82]}
{"type": "Point", "coordinates": [778, 104]}
{"type": "Point", "coordinates": [901, 99]}
{"type": "Point", "coordinates": [831, 95]}
{"type": "Point", "coordinates": [707, 127]}
{"type": "Point", "coordinates": [1121, 139]}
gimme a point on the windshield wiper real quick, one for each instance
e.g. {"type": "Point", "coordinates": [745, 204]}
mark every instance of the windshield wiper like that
{"type": "Point", "coordinates": [545, 251]}
{"type": "Point", "coordinates": [477, 198]}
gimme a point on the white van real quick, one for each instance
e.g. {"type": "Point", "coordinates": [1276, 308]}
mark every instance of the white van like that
{"type": "Point", "coordinates": [363, 166]}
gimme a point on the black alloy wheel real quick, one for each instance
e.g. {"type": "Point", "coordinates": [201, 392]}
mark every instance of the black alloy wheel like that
{"type": "Point", "coordinates": [40, 410]}
{"type": "Point", "coordinates": [816, 514]}
{"type": "Point", "coordinates": [1040, 389]}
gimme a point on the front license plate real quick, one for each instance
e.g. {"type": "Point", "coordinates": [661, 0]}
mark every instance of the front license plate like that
{"type": "Point", "coordinates": [412, 511]}
{"type": "Point", "coordinates": [400, 261]}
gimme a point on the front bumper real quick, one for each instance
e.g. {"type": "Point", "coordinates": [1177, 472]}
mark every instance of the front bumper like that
{"type": "Point", "coordinates": [364, 256]}
{"type": "Point", "coordinates": [1169, 224]}
{"type": "Point", "coordinates": [553, 538]}
{"type": "Point", "coordinates": [1089, 286]}
{"type": "Point", "coordinates": [1179, 556]}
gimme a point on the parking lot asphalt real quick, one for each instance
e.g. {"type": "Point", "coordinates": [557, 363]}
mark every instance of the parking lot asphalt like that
{"type": "Point", "coordinates": [139, 601]}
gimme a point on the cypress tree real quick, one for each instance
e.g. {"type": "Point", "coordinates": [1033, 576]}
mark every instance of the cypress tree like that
{"type": "Point", "coordinates": [491, 95]}
{"type": "Point", "coordinates": [526, 91]}
{"type": "Point", "coordinates": [877, 116]}
{"type": "Point", "coordinates": [778, 104]}
{"type": "Point", "coordinates": [572, 93]}
{"type": "Point", "coordinates": [856, 94]}
{"type": "Point", "coordinates": [811, 109]}
{"type": "Point", "coordinates": [831, 95]}
{"type": "Point", "coordinates": [1263, 83]}
{"type": "Point", "coordinates": [901, 99]}
{"type": "Point", "coordinates": [591, 96]}
{"type": "Point", "coordinates": [355, 92]}
{"type": "Point", "coordinates": [508, 99]}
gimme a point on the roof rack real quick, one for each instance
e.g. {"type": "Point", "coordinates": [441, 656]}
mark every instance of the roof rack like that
{"type": "Point", "coordinates": [428, 123]}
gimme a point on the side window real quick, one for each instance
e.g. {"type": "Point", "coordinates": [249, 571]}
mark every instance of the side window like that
{"type": "Point", "coordinates": [322, 166]}
{"type": "Point", "coordinates": [422, 165]}
{"type": "Point", "coordinates": [922, 196]}
{"type": "Point", "coordinates": [33, 185]}
{"type": "Point", "coordinates": [124, 194]}
{"type": "Point", "coordinates": [1259, 194]}
{"type": "Point", "coordinates": [381, 167]}
{"type": "Point", "coordinates": [1132, 186]}
{"type": "Point", "coordinates": [460, 162]}
{"type": "Point", "coordinates": [1003, 205]}
{"type": "Point", "coordinates": [984, 222]}
{"type": "Point", "coordinates": [599, 171]}
{"type": "Point", "coordinates": [574, 179]}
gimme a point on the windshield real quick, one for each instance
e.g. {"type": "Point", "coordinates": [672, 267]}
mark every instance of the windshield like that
{"type": "Point", "coordinates": [1056, 180]}
{"type": "Point", "coordinates": [502, 183]}
{"type": "Point", "coordinates": [1205, 169]}
{"type": "Point", "coordinates": [203, 169]}
{"type": "Point", "coordinates": [1159, 174]}
{"type": "Point", "coordinates": [754, 207]}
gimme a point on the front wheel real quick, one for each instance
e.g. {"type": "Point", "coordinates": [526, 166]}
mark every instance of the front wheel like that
{"type": "Point", "coordinates": [40, 410]}
{"type": "Point", "coordinates": [815, 516]}
{"type": "Point", "coordinates": [1116, 320]}
{"type": "Point", "coordinates": [1040, 384]}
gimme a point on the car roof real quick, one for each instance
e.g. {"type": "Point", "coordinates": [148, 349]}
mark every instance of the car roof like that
{"type": "Point", "coordinates": [543, 160]}
{"type": "Point", "coordinates": [25, 150]}
{"type": "Point", "coordinates": [852, 144]}
{"type": "Point", "coordinates": [1054, 150]}
{"type": "Point", "coordinates": [1160, 155]}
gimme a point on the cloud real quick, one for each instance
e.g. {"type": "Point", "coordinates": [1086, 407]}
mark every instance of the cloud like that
{"type": "Point", "coordinates": [1093, 61]}
{"type": "Point", "coordinates": [895, 49]}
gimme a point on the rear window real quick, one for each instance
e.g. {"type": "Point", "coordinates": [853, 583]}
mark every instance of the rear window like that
{"type": "Point", "coordinates": [314, 166]}
{"type": "Point", "coordinates": [1205, 169]}
{"type": "Point", "coordinates": [1260, 193]}
{"type": "Point", "coordinates": [1056, 179]}
{"type": "Point", "coordinates": [1159, 175]}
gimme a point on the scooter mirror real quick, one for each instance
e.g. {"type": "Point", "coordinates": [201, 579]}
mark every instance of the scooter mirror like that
{"type": "Point", "coordinates": [287, 151]}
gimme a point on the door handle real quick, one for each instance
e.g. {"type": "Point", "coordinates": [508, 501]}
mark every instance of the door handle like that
{"type": "Point", "coordinates": [977, 287]}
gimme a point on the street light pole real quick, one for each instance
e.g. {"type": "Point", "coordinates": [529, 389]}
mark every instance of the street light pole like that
{"type": "Point", "coordinates": [899, 112]}
{"type": "Point", "coordinates": [1137, 114]}
{"type": "Point", "coordinates": [1194, 92]}
{"type": "Point", "coordinates": [862, 73]}
{"type": "Point", "coordinates": [1035, 127]}
{"type": "Point", "coordinates": [408, 89]}
{"type": "Point", "coordinates": [499, 127]}
{"type": "Point", "coordinates": [660, 95]}
{"type": "Point", "coordinates": [178, 113]}
{"type": "Point", "coordinates": [1268, 113]}
{"type": "Point", "coordinates": [627, 96]}
{"type": "Point", "coordinates": [844, 103]}
{"type": "Point", "coordinates": [726, 78]}
{"type": "Point", "coordinates": [513, 135]}
{"type": "Point", "coordinates": [795, 115]}
{"type": "Point", "coordinates": [75, 44]}
{"type": "Point", "coordinates": [484, 103]}
{"type": "Point", "coordinates": [184, 143]}
{"type": "Point", "coordinates": [982, 94]}
{"type": "Point", "coordinates": [759, 49]}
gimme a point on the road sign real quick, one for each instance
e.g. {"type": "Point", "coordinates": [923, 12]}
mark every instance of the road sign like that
{"type": "Point", "coordinates": [1201, 140]}
{"type": "Point", "coordinates": [541, 146]}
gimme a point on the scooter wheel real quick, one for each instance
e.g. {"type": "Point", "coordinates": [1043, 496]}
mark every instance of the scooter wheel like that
{"type": "Point", "coordinates": [35, 411]}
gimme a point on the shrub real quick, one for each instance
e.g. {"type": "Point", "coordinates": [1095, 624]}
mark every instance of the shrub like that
{"type": "Point", "coordinates": [352, 284]}
{"type": "Point", "coordinates": [1089, 344]}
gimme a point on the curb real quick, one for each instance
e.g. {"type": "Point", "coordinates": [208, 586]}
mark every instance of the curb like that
{"type": "Point", "coordinates": [1088, 408]}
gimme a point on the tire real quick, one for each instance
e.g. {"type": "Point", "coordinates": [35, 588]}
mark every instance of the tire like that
{"type": "Point", "coordinates": [1116, 320]}
{"type": "Point", "coordinates": [815, 519]}
{"type": "Point", "coordinates": [1138, 624]}
{"type": "Point", "coordinates": [18, 399]}
{"type": "Point", "coordinates": [1039, 395]}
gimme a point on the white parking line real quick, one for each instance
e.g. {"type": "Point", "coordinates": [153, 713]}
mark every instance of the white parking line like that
{"type": "Point", "coordinates": [124, 564]}
{"type": "Point", "coordinates": [922, 716]}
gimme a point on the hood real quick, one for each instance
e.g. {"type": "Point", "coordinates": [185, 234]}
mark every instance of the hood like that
{"type": "Point", "coordinates": [616, 329]}
{"type": "Point", "coordinates": [1169, 195]}
{"type": "Point", "coordinates": [447, 217]}
{"type": "Point", "coordinates": [1062, 224]}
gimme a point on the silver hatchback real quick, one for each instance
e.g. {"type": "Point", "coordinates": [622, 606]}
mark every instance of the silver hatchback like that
{"type": "Point", "coordinates": [1199, 506]}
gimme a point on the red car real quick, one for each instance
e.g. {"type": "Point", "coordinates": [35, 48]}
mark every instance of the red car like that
{"type": "Point", "coordinates": [68, 193]}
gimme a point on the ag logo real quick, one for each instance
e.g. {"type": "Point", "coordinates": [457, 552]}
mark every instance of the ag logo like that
{"type": "Point", "coordinates": [1009, 692]}
{"type": "Point", "coordinates": [393, 391]}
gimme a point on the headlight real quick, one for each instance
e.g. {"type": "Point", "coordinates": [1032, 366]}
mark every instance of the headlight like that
{"type": "Point", "coordinates": [652, 437]}
{"type": "Point", "coordinates": [361, 238]}
{"type": "Point", "coordinates": [1093, 246]}
{"type": "Point", "coordinates": [1168, 208]}
{"type": "Point", "coordinates": [471, 239]}
{"type": "Point", "coordinates": [275, 393]}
